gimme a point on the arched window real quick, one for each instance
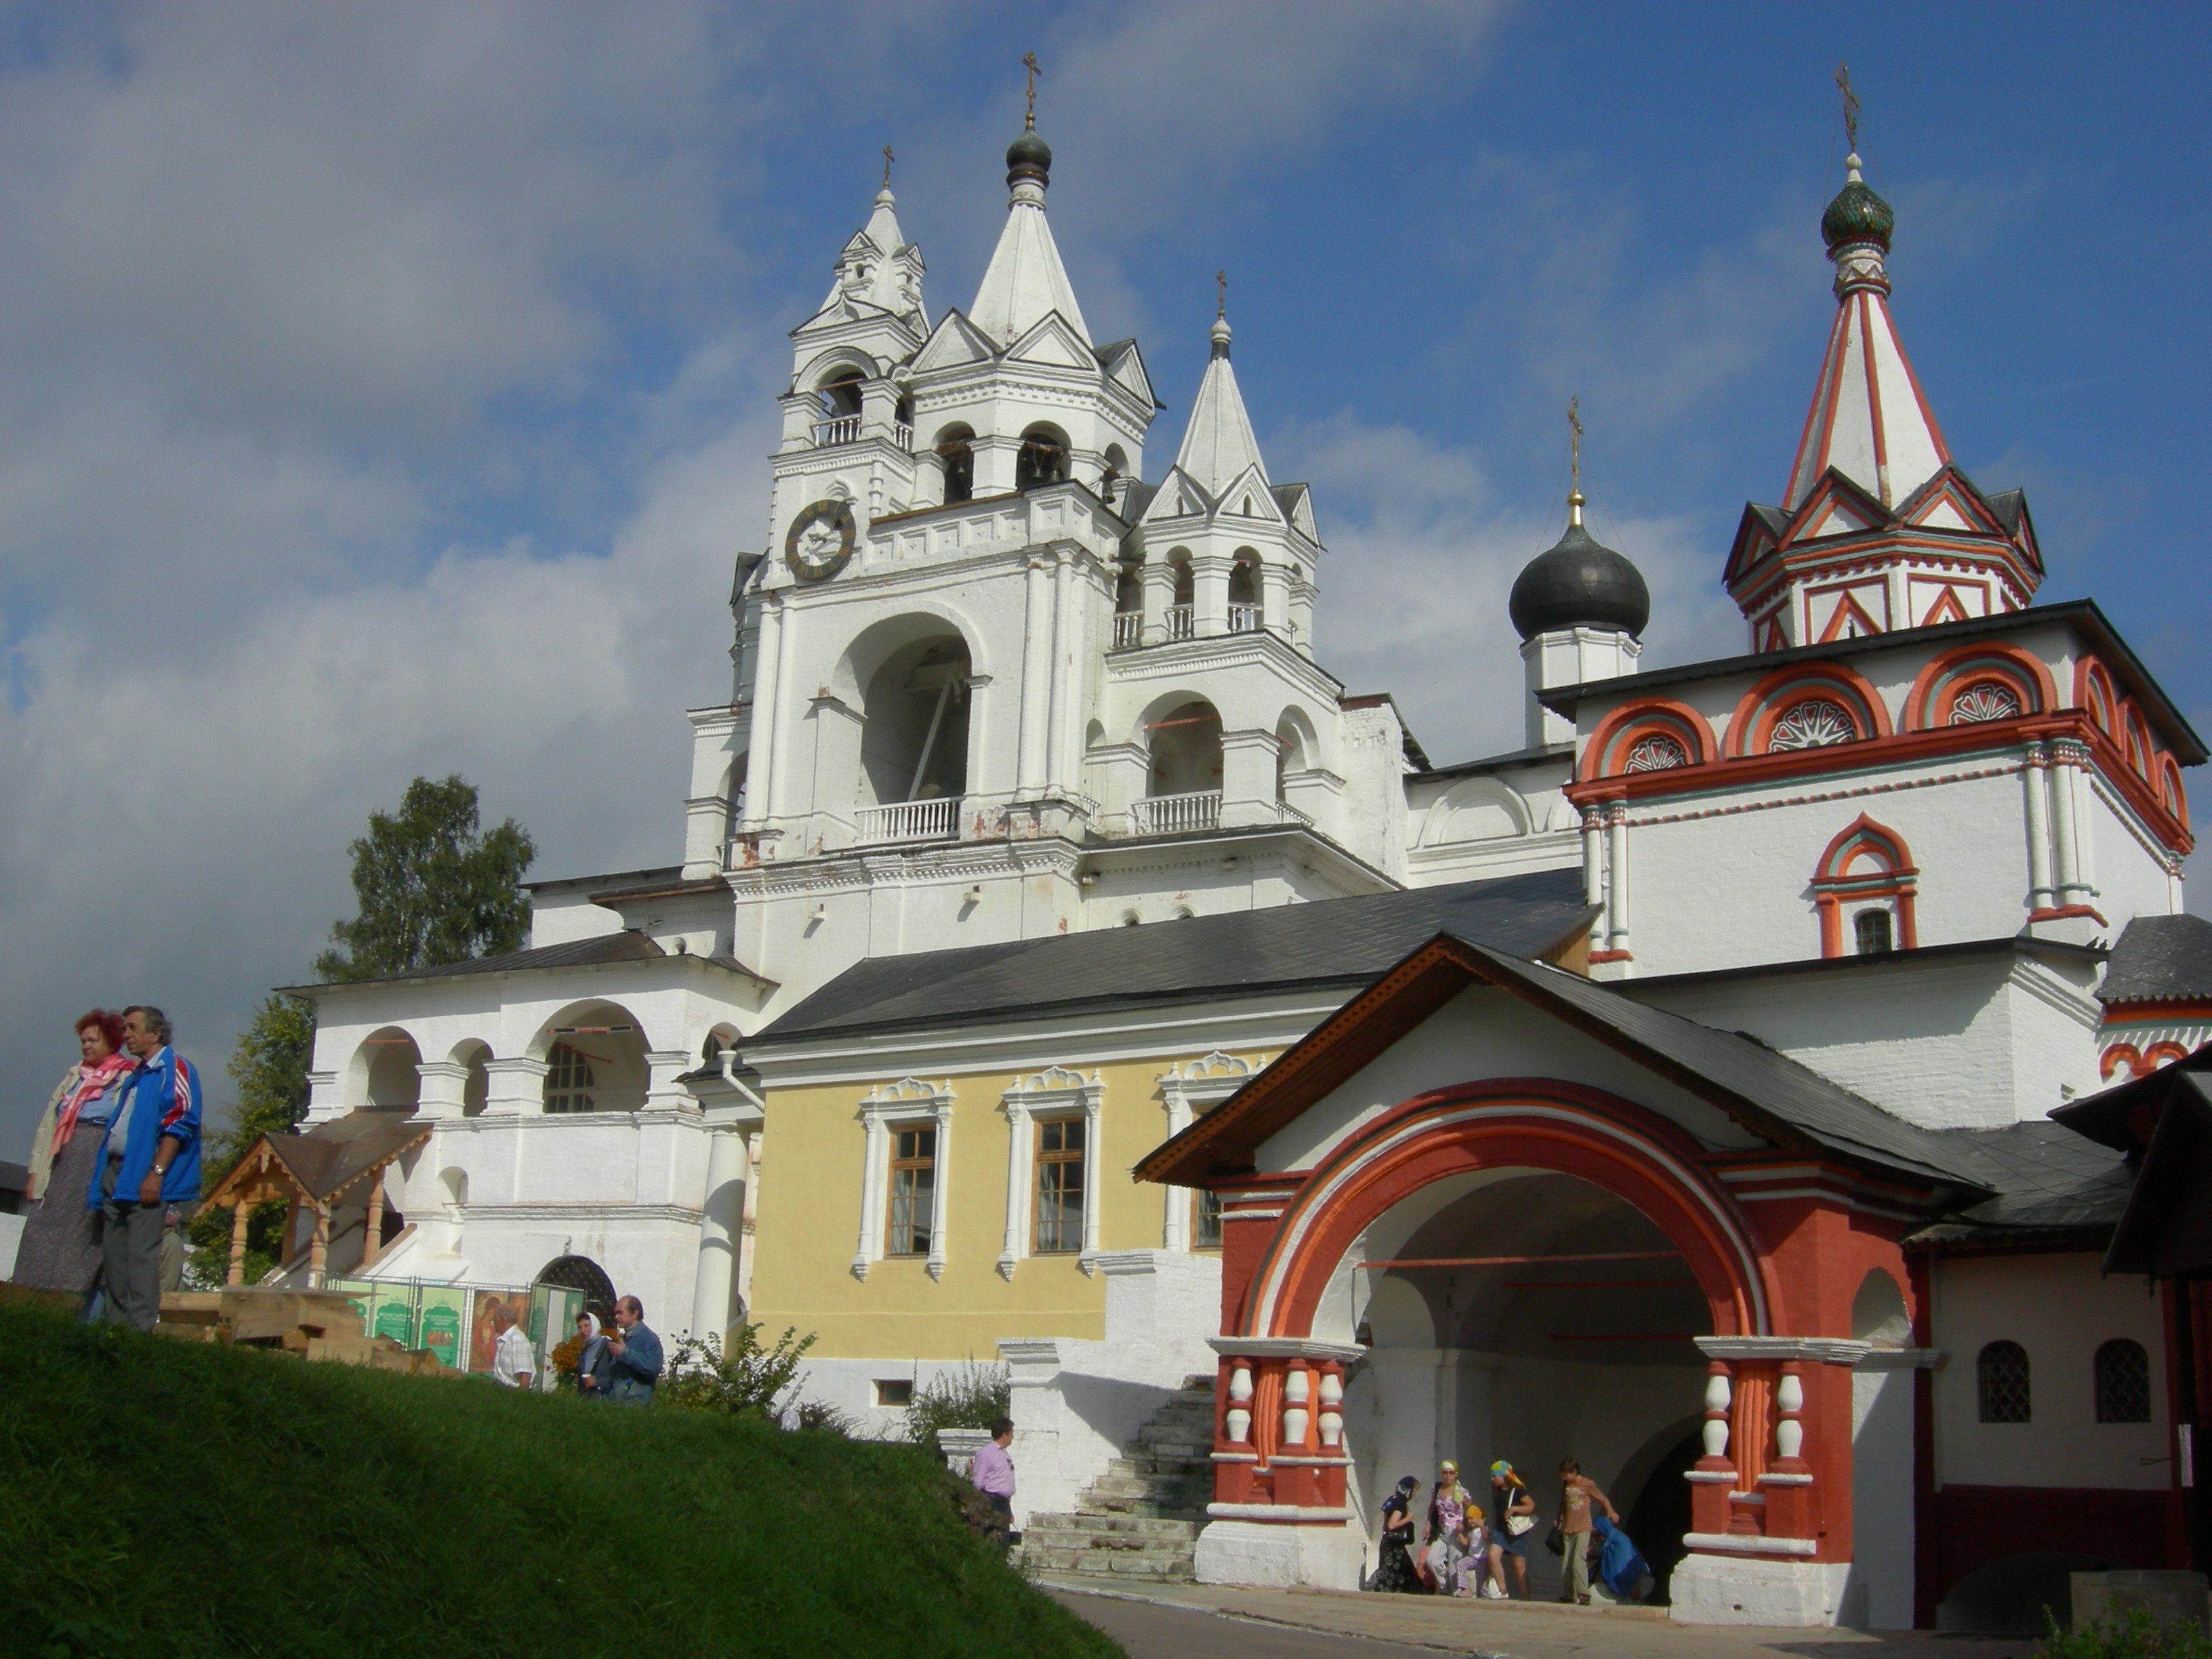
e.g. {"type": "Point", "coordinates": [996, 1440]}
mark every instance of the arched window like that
{"type": "Point", "coordinates": [2001, 1383]}
{"type": "Point", "coordinates": [1872, 931]}
{"type": "Point", "coordinates": [956, 458]}
{"type": "Point", "coordinates": [1815, 723]}
{"type": "Point", "coordinates": [1181, 623]}
{"type": "Point", "coordinates": [569, 1082]}
{"type": "Point", "coordinates": [1867, 872]}
{"type": "Point", "coordinates": [914, 739]}
{"type": "Point", "coordinates": [1110, 479]}
{"type": "Point", "coordinates": [2123, 1383]}
{"type": "Point", "coordinates": [1041, 459]}
{"type": "Point", "coordinates": [1186, 745]}
{"type": "Point", "coordinates": [840, 395]}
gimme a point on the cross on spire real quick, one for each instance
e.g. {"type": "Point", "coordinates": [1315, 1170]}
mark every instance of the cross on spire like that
{"type": "Point", "coordinates": [1221, 300]}
{"type": "Point", "coordinates": [1030, 63]}
{"type": "Point", "coordinates": [1575, 442]}
{"type": "Point", "coordinates": [1850, 104]}
{"type": "Point", "coordinates": [888, 158]}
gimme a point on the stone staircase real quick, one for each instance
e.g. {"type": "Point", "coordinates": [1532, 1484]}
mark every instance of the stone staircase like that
{"type": "Point", "coordinates": [1140, 1520]}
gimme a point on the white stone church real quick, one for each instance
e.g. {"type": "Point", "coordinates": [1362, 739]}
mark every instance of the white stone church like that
{"type": "Point", "coordinates": [1776, 966]}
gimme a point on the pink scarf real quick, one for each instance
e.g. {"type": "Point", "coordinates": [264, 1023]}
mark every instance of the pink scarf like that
{"type": "Point", "coordinates": [93, 1082]}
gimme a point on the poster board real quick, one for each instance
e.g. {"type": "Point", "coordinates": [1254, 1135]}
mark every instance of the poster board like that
{"type": "Point", "coordinates": [553, 1310]}
{"type": "Point", "coordinates": [483, 1323]}
{"type": "Point", "coordinates": [445, 1318]}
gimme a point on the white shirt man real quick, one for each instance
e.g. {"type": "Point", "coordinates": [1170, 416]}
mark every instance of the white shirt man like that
{"type": "Point", "coordinates": [512, 1361]}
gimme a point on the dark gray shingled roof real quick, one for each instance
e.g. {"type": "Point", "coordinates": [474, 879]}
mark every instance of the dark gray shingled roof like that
{"type": "Point", "coordinates": [2160, 959]}
{"type": "Point", "coordinates": [2047, 1179]}
{"type": "Point", "coordinates": [1347, 941]}
{"type": "Point", "coordinates": [628, 946]}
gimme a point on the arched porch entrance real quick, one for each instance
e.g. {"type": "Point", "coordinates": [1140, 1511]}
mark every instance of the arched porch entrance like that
{"type": "Point", "coordinates": [1516, 1270]}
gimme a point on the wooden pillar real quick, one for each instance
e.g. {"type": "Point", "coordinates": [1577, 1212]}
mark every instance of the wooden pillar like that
{"type": "Point", "coordinates": [320, 1249]}
{"type": "Point", "coordinates": [373, 1241]}
{"type": "Point", "coordinates": [291, 1229]}
{"type": "Point", "coordinates": [239, 1213]}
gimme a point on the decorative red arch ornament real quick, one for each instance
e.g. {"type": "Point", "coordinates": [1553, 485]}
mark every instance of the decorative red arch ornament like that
{"type": "Point", "coordinates": [1536, 1123]}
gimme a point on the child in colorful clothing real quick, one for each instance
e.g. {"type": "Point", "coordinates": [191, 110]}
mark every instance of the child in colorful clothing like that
{"type": "Point", "coordinates": [1467, 1553]}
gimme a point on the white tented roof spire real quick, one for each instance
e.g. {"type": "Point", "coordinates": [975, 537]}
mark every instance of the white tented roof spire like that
{"type": "Point", "coordinates": [1217, 445]}
{"type": "Point", "coordinates": [1026, 279]}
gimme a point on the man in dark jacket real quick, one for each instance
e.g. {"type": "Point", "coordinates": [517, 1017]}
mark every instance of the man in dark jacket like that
{"type": "Point", "coordinates": [636, 1351]}
{"type": "Point", "coordinates": [149, 1160]}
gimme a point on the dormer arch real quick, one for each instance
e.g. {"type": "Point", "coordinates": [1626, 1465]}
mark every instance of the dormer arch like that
{"type": "Point", "coordinates": [1044, 458]}
{"type": "Point", "coordinates": [1655, 734]}
{"type": "Point", "coordinates": [1476, 809]}
{"type": "Point", "coordinates": [838, 362]}
{"type": "Point", "coordinates": [1806, 706]}
{"type": "Point", "coordinates": [1867, 871]}
{"type": "Point", "coordinates": [1974, 684]}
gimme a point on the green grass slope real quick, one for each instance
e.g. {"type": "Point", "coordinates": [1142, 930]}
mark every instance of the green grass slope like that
{"type": "Point", "coordinates": [157, 1498]}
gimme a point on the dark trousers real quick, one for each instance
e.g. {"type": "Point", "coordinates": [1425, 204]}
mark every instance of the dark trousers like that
{"type": "Point", "coordinates": [131, 1263]}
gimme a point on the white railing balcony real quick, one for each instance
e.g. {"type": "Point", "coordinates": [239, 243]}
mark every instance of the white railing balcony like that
{"type": "Point", "coordinates": [1243, 619]}
{"type": "Point", "coordinates": [1128, 629]}
{"type": "Point", "coordinates": [903, 435]}
{"type": "Point", "coordinates": [910, 820]}
{"type": "Point", "coordinates": [845, 429]}
{"type": "Point", "coordinates": [1169, 815]}
{"type": "Point", "coordinates": [1287, 813]}
{"type": "Point", "coordinates": [1181, 624]}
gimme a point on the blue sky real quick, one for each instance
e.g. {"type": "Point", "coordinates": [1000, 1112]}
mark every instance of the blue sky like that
{"type": "Point", "coordinates": [385, 390]}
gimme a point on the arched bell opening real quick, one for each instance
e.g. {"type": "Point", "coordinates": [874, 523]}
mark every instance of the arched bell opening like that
{"type": "Point", "coordinates": [913, 743]}
{"type": "Point", "coordinates": [1244, 592]}
{"type": "Point", "coordinates": [1042, 459]}
{"type": "Point", "coordinates": [1185, 750]}
{"type": "Point", "coordinates": [955, 461]}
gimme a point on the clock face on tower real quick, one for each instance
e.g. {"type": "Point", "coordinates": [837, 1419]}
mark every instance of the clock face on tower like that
{"type": "Point", "coordinates": [820, 540]}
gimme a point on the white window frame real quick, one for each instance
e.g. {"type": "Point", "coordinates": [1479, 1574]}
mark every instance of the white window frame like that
{"type": "Point", "coordinates": [1055, 1091]}
{"type": "Point", "coordinates": [1189, 1088]}
{"type": "Point", "coordinates": [908, 1101]}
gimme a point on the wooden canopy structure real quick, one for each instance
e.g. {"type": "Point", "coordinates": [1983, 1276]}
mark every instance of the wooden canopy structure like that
{"type": "Point", "coordinates": [314, 1171]}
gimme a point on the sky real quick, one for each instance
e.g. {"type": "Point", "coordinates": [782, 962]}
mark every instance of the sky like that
{"type": "Point", "coordinates": [385, 390]}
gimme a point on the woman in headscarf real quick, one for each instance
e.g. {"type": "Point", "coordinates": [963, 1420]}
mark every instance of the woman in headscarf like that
{"type": "Point", "coordinates": [1508, 1539]}
{"type": "Point", "coordinates": [60, 1246]}
{"type": "Point", "coordinates": [1394, 1561]}
{"type": "Point", "coordinates": [595, 1363]}
{"type": "Point", "coordinates": [1449, 1501]}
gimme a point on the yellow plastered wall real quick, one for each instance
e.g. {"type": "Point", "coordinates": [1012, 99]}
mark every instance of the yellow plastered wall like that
{"type": "Point", "coordinates": [808, 1220]}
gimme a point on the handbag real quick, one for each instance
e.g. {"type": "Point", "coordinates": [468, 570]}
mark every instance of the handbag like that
{"type": "Point", "coordinates": [1517, 1524]}
{"type": "Point", "coordinates": [1555, 1541]}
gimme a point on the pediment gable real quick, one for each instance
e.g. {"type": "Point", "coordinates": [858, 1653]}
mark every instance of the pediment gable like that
{"type": "Point", "coordinates": [1756, 534]}
{"type": "Point", "coordinates": [1179, 496]}
{"type": "Point", "coordinates": [954, 344]}
{"type": "Point", "coordinates": [1125, 366]}
{"type": "Point", "coordinates": [1836, 506]}
{"type": "Point", "coordinates": [1051, 341]}
{"type": "Point", "coordinates": [1248, 496]}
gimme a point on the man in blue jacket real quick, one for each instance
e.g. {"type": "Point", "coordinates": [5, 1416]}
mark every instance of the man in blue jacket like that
{"type": "Point", "coordinates": [149, 1160]}
{"type": "Point", "coordinates": [637, 1356]}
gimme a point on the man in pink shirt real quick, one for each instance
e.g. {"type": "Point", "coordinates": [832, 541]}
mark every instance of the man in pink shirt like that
{"type": "Point", "coordinates": [993, 1474]}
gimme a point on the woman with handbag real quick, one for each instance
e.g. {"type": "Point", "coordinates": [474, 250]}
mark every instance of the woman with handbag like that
{"type": "Point", "coordinates": [1508, 1539]}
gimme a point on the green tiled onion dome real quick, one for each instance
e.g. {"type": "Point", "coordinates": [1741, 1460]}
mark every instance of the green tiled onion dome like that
{"type": "Point", "coordinates": [1857, 215]}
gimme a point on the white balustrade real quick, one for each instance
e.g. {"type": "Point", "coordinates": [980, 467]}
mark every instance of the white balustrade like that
{"type": "Point", "coordinates": [1239, 1423]}
{"type": "Point", "coordinates": [1240, 1384]}
{"type": "Point", "coordinates": [845, 429]}
{"type": "Point", "coordinates": [1181, 626]}
{"type": "Point", "coordinates": [911, 820]}
{"type": "Point", "coordinates": [1243, 619]}
{"type": "Point", "coordinates": [903, 435]}
{"type": "Point", "coordinates": [1332, 1419]}
{"type": "Point", "coordinates": [1717, 1397]}
{"type": "Point", "coordinates": [1170, 815]}
{"type": "Point", "coordinates": [1128, 629]}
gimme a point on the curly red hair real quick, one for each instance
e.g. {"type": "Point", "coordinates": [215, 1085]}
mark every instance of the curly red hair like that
{"type": "Point", "coordinates": [111, 1025]}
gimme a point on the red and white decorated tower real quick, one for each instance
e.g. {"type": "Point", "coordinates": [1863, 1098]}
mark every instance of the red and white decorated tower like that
{"type": "Point", "coordinates": [1879, 530]}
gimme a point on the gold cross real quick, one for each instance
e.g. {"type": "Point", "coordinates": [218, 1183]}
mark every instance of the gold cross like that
{"type": "Point", "coordinates": [1221, 304]}
{"type": "Point", "coordinates": [1575, 421]}
{"type": "Point", "coordinates": [888, 158]}
{"type": "Point", "coordinates": [1850, 104]}
{"type": "Point", "coordinates": [1030, 62]}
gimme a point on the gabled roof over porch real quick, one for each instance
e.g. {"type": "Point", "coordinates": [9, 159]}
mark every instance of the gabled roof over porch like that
{"type": "Point", "coordinates": [1770, 1097]}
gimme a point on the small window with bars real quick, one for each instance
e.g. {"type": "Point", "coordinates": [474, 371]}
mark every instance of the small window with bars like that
{"type": "Point", "coordinates": [1206, 1221]}
{"type": "Point", "coordinates": [914, 1192]}
{"type": "Point", "coordinates": [2123, 1383]}
{"type": "Point", "coordinates": [2002, 1385]}
{"type": "Point", "coordinates": [1058, 1186]}
{"type": "Point", "coordinates": [568, 1080]}
{"type": "Point", "coordinates": [1875, 935]}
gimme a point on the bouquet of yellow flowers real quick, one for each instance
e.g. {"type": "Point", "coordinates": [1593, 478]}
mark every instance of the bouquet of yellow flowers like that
{"type": "Point", "coordinates": [564, 1359]}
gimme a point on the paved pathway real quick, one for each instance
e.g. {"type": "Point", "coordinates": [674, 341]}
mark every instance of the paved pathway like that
{"type": "Point", "coordinates": [1185, 1621]}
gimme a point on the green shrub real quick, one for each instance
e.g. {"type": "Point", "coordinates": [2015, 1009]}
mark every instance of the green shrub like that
{"type": "Point", "coordinates": [166, 1500]}
{"type": "Point", "coordinates": [973, 1397]}
{"type": "Point", "coordinates": [2131, 1634]}
{"type": "Point", "coordinates": [745, 1381]}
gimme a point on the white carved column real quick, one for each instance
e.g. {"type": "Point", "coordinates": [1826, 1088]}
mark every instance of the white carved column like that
{"type": "Point", "coordinates": [663, 1093]}
{"type": "Point", "coordinates": [1616, 836]}
{"type": "Point", "coordinates": [444, 1089]}
{"type": "Point", "coordinates": [1060, 774]}
{"type": "Point", "coordinates": [760, 776]}
{"type": "Point", "coordinates": [2036, 783]}
{"type": "Point", "coordinates": [1037, 646]}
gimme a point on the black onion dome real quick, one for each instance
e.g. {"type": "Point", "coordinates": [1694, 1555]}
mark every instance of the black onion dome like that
{"type": "Point", "coordinates": [1028, 157]}
{"type": "Point", "coordinates": [1857, 215]}
{"type": "Point", "coordinates": [1578, 583]}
